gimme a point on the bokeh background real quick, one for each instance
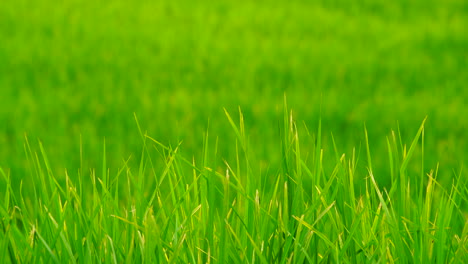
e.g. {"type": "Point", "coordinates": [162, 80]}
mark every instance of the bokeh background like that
{"type": "Point", "coordinates": [81, 69]}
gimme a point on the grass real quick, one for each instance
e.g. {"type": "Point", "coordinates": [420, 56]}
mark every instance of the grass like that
{"type": "Point", "coordinates": [173, 209]}
{"type": "Point", "coordinates": [82, 68]}
{"type": "Point", "coordinates": [242, 186]}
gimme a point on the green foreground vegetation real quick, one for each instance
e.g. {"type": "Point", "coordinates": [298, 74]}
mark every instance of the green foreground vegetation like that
{"type": "Point", "coordinates": [80, 180]}
{"type": "Point", "coordinates": [230, 213]}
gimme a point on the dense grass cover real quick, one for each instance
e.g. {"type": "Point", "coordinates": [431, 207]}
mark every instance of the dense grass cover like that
{"type": "Point", "coordinates": [234, 213]}
{"type": "Point", "coordinates": [252, 186]}
{"type": "Point", "coordinates": [84, 67]}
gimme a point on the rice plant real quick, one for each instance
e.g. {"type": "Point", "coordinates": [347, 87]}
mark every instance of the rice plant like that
{"type": "Point", "coordinates": [178, 209]}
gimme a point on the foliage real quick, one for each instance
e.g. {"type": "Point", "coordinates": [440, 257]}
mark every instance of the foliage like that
{"type": "Point", "coordinates": [234, 212]}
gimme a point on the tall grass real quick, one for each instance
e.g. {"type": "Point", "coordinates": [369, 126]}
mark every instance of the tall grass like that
{"type": "Point", "coordinates": [180, 210]}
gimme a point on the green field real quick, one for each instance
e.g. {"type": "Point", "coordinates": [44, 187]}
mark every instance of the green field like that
{"type": "Point", "coordinates": [75, 74]}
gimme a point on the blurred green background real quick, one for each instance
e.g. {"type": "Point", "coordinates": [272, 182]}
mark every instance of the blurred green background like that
{"type": "Point", "coordinates": [71, 68]}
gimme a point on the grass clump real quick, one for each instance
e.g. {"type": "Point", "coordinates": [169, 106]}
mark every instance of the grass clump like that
{"type": "Point", "coordinates": [171, 209]}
